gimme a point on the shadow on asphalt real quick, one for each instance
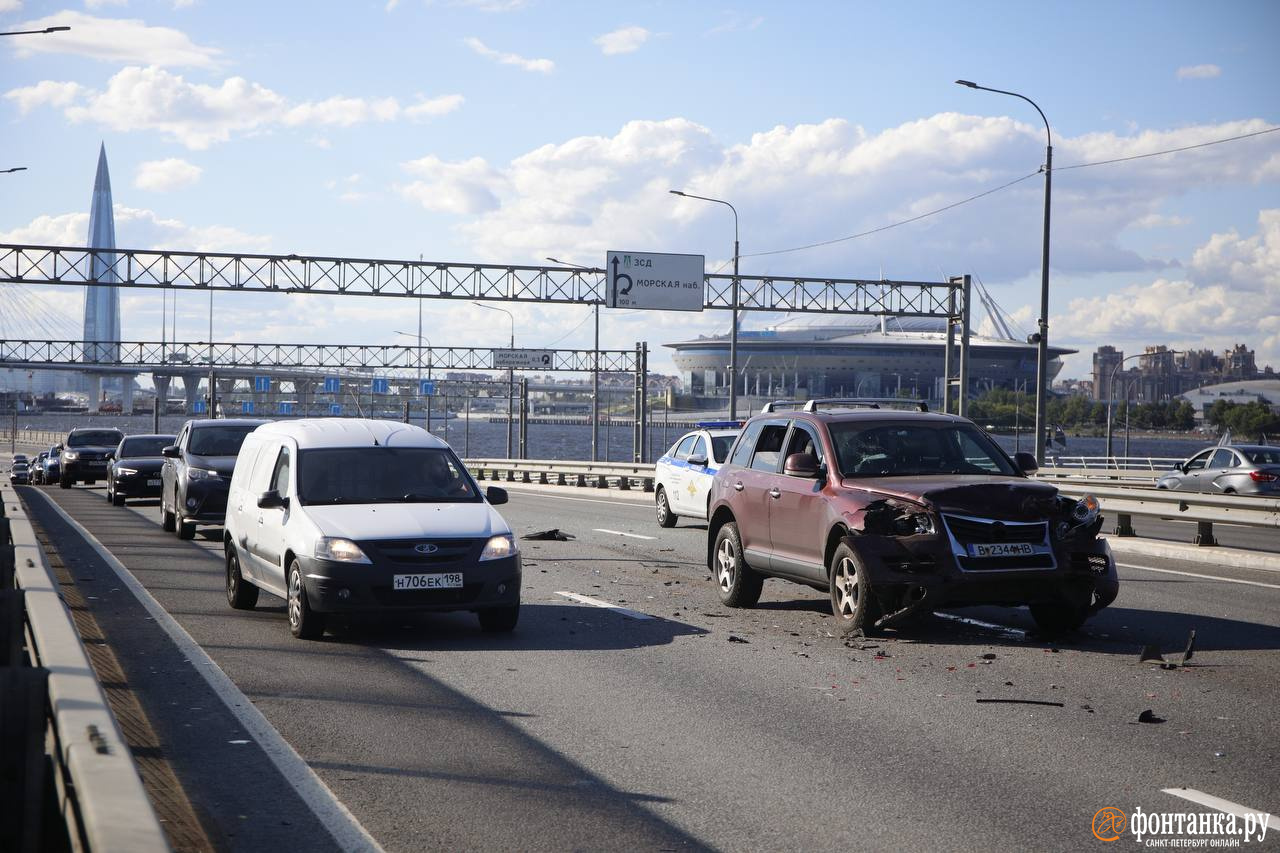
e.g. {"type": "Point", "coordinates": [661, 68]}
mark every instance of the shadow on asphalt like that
{"type": "Point", "coordinates": [542, 627]}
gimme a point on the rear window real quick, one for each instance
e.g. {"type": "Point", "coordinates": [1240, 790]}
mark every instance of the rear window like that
{"type": "Point", "coordinates": [218, 440]}
{"type": "Point", "coordinates": [1263, 457]}
{"type": "Point", "coordinates": [95, 438]}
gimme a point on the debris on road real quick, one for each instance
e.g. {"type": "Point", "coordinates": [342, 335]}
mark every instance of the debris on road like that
{"type": "Point", "coordinates": [555, 534]}
{"type": "Point", "coordinates": [1148, 716]}
{"type": "Point", "coordinates": [733, 638]}
{"type": "Point", "coordinates": [1191, 647]}
{"type": "Point", "coordinates": [1021, 702]}
{"type": "Point", "coordinates": [1150, 654]}
{"type": "Point", "coordinates": [989, 656]}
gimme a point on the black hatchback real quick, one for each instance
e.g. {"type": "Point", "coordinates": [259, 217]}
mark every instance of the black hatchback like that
{"type": "Point", "coordinates": [135, 470]}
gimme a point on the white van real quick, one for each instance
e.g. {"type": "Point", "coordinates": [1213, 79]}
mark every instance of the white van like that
{"type": "Point", "coordinates": [336, 515]}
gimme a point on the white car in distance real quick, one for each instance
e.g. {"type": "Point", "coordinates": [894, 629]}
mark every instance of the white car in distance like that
{"type": "Point", "coordinates": [682, 477]}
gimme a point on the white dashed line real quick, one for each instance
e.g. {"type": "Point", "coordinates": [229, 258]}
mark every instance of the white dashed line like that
{"type": "Point", "coordinates": [1219, 804]}
{"type": "Point", "coordinates": [621, 533]}
{"type": "Point", "coordinates": [595, 602]}
{"type": "Point", "coordinates": [1196, 575]}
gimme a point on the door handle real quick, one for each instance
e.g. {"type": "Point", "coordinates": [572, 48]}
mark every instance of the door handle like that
{"type": "Point", "coordinates": [259, 519]}
{"type": "Point", "coordinates": [774, 493]}
{"type": "Point", "coordinates": [737, 486]}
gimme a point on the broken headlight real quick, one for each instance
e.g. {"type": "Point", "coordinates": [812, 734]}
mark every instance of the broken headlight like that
{"type": "Point", "coordinates": [915, 524]}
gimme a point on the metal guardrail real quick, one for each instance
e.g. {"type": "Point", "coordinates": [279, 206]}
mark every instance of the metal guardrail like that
{"type": "Point", "coordinates": [99, 792]}
{"type": "Point", "coordinates": [1122, 463]}
{"type": "Point", "coordinates": [624, 475]}
{"type": "Point", "coordinates": [38, 437]}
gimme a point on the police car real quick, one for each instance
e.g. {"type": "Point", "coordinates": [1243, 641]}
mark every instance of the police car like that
{"type": "Point", "coordinates": [682, 477]}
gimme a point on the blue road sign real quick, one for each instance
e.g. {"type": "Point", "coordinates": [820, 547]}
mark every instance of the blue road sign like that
{"type": "Point", "coordinates": [198, 407]}
{"type": "Point", "coordinates": [332, 385]}
{"type": "Point", "coordinates": [335, 409]}
{"type": "Point", "coordinates": [427, 388]}
{"type": "Point", "coordinates": [381, 386]}
{"type": "Point", "coordinates": [261, 384]}
{"type": "Point", "coordinates": [286, 408]}
{"type": "Point", "coordinates": [246, 407]}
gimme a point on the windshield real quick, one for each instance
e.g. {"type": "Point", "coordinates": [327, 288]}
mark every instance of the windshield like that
{"type": "Point", "coordinates": [904, 450]}
{"type": "Point", "coordinates": [218, 440]}
{"type": "Point", "coordinates": [357, 475]}
{"type": "Point", "coordinates": [95, 438]}
{"type": "Point", "coordinates": [720, 445]}
{"type": "Point", "coordinates": [150, 446]}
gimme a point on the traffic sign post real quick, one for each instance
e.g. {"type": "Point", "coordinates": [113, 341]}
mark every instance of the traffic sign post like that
{"type": "Point", "coordinates": [654, 280]}
{"type": "Point", "coordinates": [332, 385]}
{"type": "Point", "coordinates": [246, 407]}
{"type": "Point", "coordinates": [335, 410]}
{"type": "Point", "coordinates": [261, 384]}
{"type": "Point", "coordinates": [523, 359]}
{"type": "Point", "coordinates": [426, 388]}
{"type": "Point", "coordinates": [381, 386]}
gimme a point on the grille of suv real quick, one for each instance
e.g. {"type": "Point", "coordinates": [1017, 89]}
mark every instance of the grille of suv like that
{"type": "Point", "coordinates": [988, 531]}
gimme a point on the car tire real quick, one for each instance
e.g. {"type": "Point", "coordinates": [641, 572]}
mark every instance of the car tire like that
{"type": "Point", "coordinates": [1056, 618]}
{"type": "Point", "coordinates": [166, 518]}
{"type": "Point", "coordinates": [499, 620]}
{"type": "Point", "coordinates": [304, 623]}
{"type": "Point", "coordinates": [850, 591]}
{"type": "Point", "coordinates": [738, 584]}
{"type": "Point", "coordinates": [185, 529]}
{"type": "Point", "coordinates": [65, 482]}
{"type": "Point", "coordinates": [241, 594]}
{"type": "Point", "coordinates": [666, 518]}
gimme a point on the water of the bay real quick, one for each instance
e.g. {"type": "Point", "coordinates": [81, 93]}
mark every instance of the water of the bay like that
{"type": "Point", "coordinates": [480, 439]}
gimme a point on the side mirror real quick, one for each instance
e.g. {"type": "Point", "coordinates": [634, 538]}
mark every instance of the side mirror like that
{"type": "Point", "coordinates": [58, 447]}
{"type": "Point", "coordinates": [170, 452]}
{"type": "Point", "coordinates": [699, 460]}
{"type": "Point", "coordinates": [1026, 462]}
{"type": "Point", "coordinates": [801, 465]}
{"type": "Point", "coordinates": [271, 499]}
{"type": "Point", "coordinates": [495, 495]}
{"type": "Point", "coordinates": [111, 454]}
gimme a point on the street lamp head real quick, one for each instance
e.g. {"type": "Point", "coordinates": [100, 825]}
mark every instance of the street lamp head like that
{"type": "Point", "coordinates": [967, 83]}
{"type": "Point", "coordinates": [675, 192]}
{"type": "Point", "coordinates": [56, 29]}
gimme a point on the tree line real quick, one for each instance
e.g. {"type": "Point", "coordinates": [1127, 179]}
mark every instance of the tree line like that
{"type": "Point", "coordinates": [1003, 408]}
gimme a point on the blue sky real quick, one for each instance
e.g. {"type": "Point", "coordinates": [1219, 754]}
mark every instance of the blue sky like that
{"type": "Point", "coordinates": [503, 131]}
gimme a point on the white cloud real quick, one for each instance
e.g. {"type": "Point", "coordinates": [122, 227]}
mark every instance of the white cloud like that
{"type": "Point", "coordinates": [10, 6]}
{"type": "Point", "coordinates": [1198, 72]}
{"type": "Point", "coordinates": [432, 107]}
{"type": "Point", "coordinates": [166, 175]}
{"type": "Point", "coordinates": [116, 40]}
{"type": "Point", "coordinates": [737, 21]}
{"type": "Point", "coordinates": [98, 4]}
{"type": "Point", "coordinates": [1159, 220]}
{"type": "Point", "coordinates": [199, 115]}
{"type": "Point", "coordinates": [391, 5]}
{"type": "Point", "coordinates": [1231, 294]}
{"type": "Point", "coordinates": [492, 5]}
{"type": "Point", "coordinates": [622, 40]}
{"type": "Point", "coordinates": [543, 66]}
{"type": "Point", "coordinates": [468, 187]}
{"type": "Point", "coordinates": [137, 228]}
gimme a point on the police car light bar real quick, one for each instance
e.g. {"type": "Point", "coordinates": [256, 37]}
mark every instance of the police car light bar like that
{"type": "Point", "coordinates": [719, 424]}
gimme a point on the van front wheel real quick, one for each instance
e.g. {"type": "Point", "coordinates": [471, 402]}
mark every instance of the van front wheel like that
{"type": "Point", "coordinates": [304, 623]}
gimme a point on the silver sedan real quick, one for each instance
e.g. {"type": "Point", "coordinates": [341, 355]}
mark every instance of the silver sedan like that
{"type": "Point", "coordinates": [1233, 469]}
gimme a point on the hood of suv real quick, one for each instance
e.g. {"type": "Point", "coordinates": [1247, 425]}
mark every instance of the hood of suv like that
{"type": "Point", "coordinates": [408, 520]}
{"type": "Point", "coordinates": [990, 497]}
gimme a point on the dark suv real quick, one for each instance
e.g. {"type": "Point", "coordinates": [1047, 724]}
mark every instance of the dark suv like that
{"type": "Point", "coordinates": [893, 512]}
{"type": "Point", "coordinates": [84, 455]}
{"type": "Point", "coordinates": [197, 473]}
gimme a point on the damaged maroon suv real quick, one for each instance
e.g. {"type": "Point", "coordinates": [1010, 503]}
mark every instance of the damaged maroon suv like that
{"type": "Point", "coordinates": [893, 512]}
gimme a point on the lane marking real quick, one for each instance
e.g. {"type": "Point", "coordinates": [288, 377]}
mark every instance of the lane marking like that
{"type": "Point", "coordinates": [1197, 575]}
{"type": "Point", "coordinates": [621, 533]}
{"type": "Point", "coordinates": [1217, 803]}
{"type": "Point", "coordinates": [595, 602]}
{"type": "Point", "coordinates": [992, 626]}
{"type": "Point", "coordinates": [310, 788]}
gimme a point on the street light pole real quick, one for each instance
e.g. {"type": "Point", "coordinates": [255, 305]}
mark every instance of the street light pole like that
{"type": "Point", "coordinates": [1111, 384]}
{"type": "Point", "coordinates": [511, 374]}
{"type": "Point", "coordinates": [733, 333]}
{"type": "Point", "coordinates": [419, 336]}
{"type": "Point", "coordinates": [595, 363]}
{"type": "Point", "coordinates": [1042, 335]}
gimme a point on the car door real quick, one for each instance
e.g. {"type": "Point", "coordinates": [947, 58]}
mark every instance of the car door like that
{"type": "Point", "coordinates": [253, 518]}
{"type": "Point", "coordinates": [697, 486]}
{"type": "Point", "coordinates": [169, 471]}
{"type": "Point", "coordinates": [797, 512]}
{"type": "Point", "coordinates": [753, 483]}
{"type": "Point", "coordinates": [1212, 480]}
{"type": "Point", "coordinates": [677, 473]}
{"type": "Point", "coordinates": [1189, 478]}
{"type": "Point", "coordinates": [269, 538]}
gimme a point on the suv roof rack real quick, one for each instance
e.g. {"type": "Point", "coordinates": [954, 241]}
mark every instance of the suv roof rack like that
{"type": "Point", "coordinates": [781, 404]}
{"type": "Point", "coordinates": [865, 402]}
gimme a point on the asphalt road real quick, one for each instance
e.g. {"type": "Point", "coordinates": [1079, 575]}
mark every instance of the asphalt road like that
{"type": "Point", "coordinates": [700, 726]}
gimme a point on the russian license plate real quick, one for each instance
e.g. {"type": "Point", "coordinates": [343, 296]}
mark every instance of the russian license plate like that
{"type": "Point", "coordinates": [1003, 549]}
{"type": "Point", "coordinates": [448, 580]}
{"type": "Point", "coordinates": [153, 482]}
